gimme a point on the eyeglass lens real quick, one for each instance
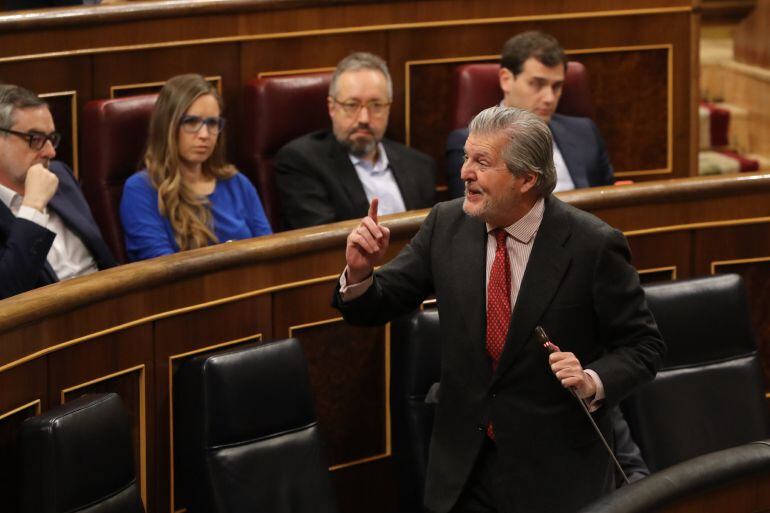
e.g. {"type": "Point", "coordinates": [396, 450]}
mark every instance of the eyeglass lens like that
{"type": "Point", "coordinates": [192, 124]}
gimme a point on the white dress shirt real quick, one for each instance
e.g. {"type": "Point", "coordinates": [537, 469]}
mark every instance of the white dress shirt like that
{"type": "Point", "coordinates": [68, 256]}
{"type": "Point", "coordinates": [563, 179]}
{"type": "Point", "coordinates": [379, 182]}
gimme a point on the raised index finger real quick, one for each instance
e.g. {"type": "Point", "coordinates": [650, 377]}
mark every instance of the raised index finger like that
{"type": "Point", "coordinates": [373, 209]}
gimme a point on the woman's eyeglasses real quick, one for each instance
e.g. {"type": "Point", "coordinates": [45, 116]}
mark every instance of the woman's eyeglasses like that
{"type": "Point", "coordinates": [191, 124]}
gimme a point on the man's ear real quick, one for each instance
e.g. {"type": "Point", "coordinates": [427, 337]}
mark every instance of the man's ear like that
{"type": "Point", "coordinates": [330, 105]}
{"type": "Point", "coordinates": [506, 79]}
{"type": "Point", "coordinates": [529, 182]}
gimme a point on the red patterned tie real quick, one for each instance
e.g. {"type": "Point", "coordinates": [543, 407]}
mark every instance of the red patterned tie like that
{"type": "Point", "coordinates": [498, 304]}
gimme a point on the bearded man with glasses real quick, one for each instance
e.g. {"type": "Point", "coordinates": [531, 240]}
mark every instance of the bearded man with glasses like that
{"type": "Point", "coordinates": [330, 176]}
{"type": "Point", "coordinates": [47, 232]}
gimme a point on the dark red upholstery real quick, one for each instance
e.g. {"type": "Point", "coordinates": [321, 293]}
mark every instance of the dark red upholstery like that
{"type": "Point", "coordinates": [115, 132]}
{"type": "Point", "coordinates": [476, 87]}
{"type": "Point", "coordinates": [277, 110]}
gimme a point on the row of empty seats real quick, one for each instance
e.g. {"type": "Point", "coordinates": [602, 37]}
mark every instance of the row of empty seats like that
{"type": "Point", "coordinates": [246, 436]}
{"type": "Point", "coordinates": [277, 109]}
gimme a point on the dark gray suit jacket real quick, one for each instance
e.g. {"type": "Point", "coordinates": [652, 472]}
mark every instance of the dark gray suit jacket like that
{"type": "Point", "coordinates": [24, 245]}
{"type": "Point", "coordinates": [318, 184]}
{"type": "Point", "coordinates": [578, 139]}
{"type": "Point", "coordinates": [580, 286]}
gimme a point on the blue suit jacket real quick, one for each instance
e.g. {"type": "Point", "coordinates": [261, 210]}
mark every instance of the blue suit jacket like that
{"type": "Point", "coordinates": [578, 139]}
{"type": "Point", "coordinates": [24, 245]}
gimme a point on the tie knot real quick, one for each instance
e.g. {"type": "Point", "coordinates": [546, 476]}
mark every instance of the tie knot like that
{"type": "Point", "coordinates": [501, 236]}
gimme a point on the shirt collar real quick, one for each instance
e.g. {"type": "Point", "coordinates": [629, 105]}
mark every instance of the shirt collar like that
{"type": "Point", "coordinates": [379, 166]}
{"type": "Point", "coordinates": [524, 229]}
{"type": "Point", "coordinates": [10, 198]}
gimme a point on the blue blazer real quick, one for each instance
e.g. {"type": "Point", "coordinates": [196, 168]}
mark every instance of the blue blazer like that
{"type": "Point", "coordinates": [24, 245]}
{"type": "Point", "coordinates": [578, 139]}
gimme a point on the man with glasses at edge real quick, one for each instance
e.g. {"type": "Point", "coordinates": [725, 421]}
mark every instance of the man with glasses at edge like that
{"type": "Point", "coordinates": [47, 232]}
{"type": "Point", "coordinates": [325, 176]}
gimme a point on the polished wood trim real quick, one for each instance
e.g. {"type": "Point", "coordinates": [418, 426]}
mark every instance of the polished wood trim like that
{"type": "Point", "coordinates": [669, 169]}
{"type": "Point", "coordinates": [388, 434]}
{"type": "Point", "coordinates": [346, 30]}
{"type": "Point", "coordinates": [654, 270]}
{"type": "Point", "coordinates": [667, 191]}
{"type": "Point", "coordinates": [163, 315]}
{"type": "Point", "coordinates": [73, 124]}
{"type": "Point", "coordinates": [36, 403]}
{"type": "Point", "coordinates": [737, 261]}
{"type": "Point", "coordinates": [289, 72]}
{"type": "Point", "coordinates": [171, 358]}
{"type": "Point", "coordinates": [142, 416]}
{"type": "Point", "coordinates": [123, 87]}
{"type": "Point", "coordinates": [696, 226]}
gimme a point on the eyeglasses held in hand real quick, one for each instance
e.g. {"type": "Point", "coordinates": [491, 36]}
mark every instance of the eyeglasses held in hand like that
{"type": "Point", "coordinates": [191, 124]}
{"type": "Point", "coordinates": [35, 139]}
{"type": "Point", "coordinates": [375, 108]}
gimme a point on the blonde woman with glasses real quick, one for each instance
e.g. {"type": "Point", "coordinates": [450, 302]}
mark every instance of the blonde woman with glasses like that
{"type": "Point", "coordinates": [188, 196]}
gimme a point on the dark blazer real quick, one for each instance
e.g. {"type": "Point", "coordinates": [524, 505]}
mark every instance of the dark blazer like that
{"type": "Point", "coordinates": [24, 245]}
{"type": "Point", "coordinates": [580, 286]}
{"type": "Point", "coordinates": [578, 139]}
{"type": "Point", "coordinates": [318, 184]}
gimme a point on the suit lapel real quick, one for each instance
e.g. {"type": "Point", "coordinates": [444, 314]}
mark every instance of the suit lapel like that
{"type": "Point", "coordinates": [469, 245]}
{"type": "Point", "coordinates": [402, 176]}
{"type": "Point", "coordinates": [6, 219]}
{"type": "Point", "coordinates": [345, 172]}
{"type": "Point", "coordinates": [72, 217]}
{"type": "Point", "coordinates": [571, 151]}
{"type": "Point", "coordinates": [546, 267]}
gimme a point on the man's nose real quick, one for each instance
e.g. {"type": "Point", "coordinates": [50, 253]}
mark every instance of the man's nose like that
{"type": "Point", "coordinates": [466, 173]}
{"type": "Point", "coordinates": [363, 115]}
{"type": "Point", "coordinates": [49, 151]}
{"type": "Point", "coordinates": [549, 95]}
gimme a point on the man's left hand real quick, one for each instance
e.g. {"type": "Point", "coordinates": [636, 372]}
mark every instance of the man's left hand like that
{"type": "Point", "coordinates": [570, 373]}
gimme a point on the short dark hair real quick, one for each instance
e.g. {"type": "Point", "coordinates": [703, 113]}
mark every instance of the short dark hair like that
{"type": "Point", "coordinates": [13, 97]}
{"type": "Point", "coordinates": [543, 47]}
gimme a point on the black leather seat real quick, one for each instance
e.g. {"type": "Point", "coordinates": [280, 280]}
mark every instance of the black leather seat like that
{"type": "Point", "coordinates": [686, 481]}
{"type": "Point", "coordinates": [709, 395]}
{"type": "Point", "coordinates": [246, 436]}
{"type": "Point", "coordinates": [416, 364]}
{"type": "Point", "coordinates": [78, 458]}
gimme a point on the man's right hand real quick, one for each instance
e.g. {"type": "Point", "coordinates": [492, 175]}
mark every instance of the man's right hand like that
{"type": "Point", "coordinates": [366, 246]}
{"type": "Point", "coordinates": [39, 187]}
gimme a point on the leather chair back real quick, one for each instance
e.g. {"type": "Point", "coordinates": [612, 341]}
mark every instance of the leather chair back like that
{"type": "Point", "coordinates": [683, 486]}
{"type": "Point", "coordinates": [78, 457]}
{"type": "Point", "coordinates": [709, 395]}
{"type": "Point", "coordinates": [416, 366]}
{"type": "Point", "coordinates": [277, 110]}
{"type": "Point", "coordinates": [476, 87]}
{"type": "Point", "coordinates": [246, 436]}
{"type": "Point", "coordinates": [117, 136]}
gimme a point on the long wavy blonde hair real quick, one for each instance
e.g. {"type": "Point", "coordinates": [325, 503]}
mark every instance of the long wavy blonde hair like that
{"type": "Point", "coordinates": [189, 214]}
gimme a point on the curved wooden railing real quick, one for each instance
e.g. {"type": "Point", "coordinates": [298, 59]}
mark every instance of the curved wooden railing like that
{"type": "Point", "coordinates": [126, 329]}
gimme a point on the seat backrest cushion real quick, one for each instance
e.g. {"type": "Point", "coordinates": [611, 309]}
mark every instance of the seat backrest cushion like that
{"type": "Point", "coordinates": [247, 435]}
{"type": "Point", "coordinates": [477, 86]}
{"type": "Point", "coordinates": [671, 489]}
{"type": "Point", "coordinates": [78, 457]}
{"type": "Point", "coordinates": [709, 394]}
{"type": "Point", "coordinates": [116, 131]}
{"type": "Point", "coordinates": [702, 319]}
{"type": "Point", "coordinates": [416, 367]}
{"type": "Point", "coordinates": [277, 110]}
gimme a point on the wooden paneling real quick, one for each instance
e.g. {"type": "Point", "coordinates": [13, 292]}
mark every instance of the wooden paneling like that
{"type": "Point", "coordinates": [198, 331]}
{"type": "Point", "coordinates": [122, 363]}
{"type": "Point", "coordinates": [23, 395]}
{"type": "Point", "coordinates": [156, 313]}
{"type": "Point", "coordinates": [641, 97]}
